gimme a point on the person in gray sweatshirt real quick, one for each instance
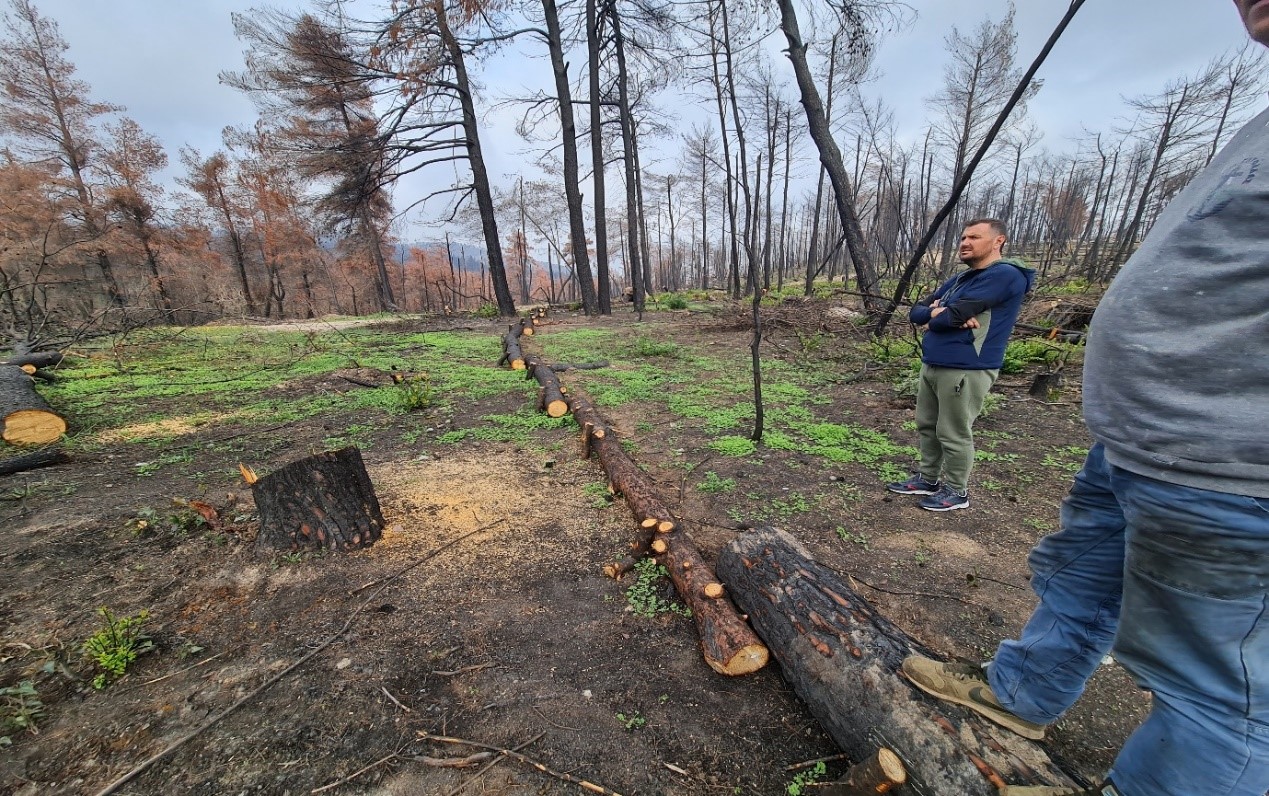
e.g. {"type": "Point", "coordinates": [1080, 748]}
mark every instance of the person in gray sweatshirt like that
{"type": "Point", "coordinates": [1163, 552]}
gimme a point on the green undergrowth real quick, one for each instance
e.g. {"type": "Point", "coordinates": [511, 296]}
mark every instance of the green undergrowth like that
{"type": "Point", "coordinates": [158, 385]}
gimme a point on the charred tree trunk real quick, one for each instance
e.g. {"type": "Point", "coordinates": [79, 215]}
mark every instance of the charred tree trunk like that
{"type": "Point", "coordinates": [842, 658]}
{"type": "Point", "coordinates": [551, 397]}
{"type": "Point", "coordinates": [321, 502]}
{"type": "Point", "coordinates": [44, 359]}
{"type": "Point", "coordinates": [512, 355]}
{"type": "Point", "coordinates": [31, 461]}
{"type": "Point", "coordinates": [26, 417]}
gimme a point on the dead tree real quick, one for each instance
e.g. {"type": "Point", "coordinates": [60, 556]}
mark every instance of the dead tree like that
{"type": "Point", "coordinates": [320, 502]}
{"type": "Point", "coordinates": [842, 658]}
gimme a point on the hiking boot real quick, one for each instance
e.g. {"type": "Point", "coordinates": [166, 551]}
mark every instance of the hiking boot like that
{"type": "Point", "coordinates": [946, 499]}
{"type": "Point", "coordinates": [966, 684]}
{"type": "Point", "coordinates": [916, 485]}
{"type": "Point", "coordinates": [1106, 789]}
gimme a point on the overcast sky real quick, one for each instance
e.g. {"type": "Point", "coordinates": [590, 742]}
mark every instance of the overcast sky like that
{"type": "Point", "coordinates": [160, 59]}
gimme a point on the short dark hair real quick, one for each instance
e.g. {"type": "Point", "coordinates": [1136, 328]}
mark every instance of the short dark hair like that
{"type": "Point", "coordinates": [997, 226]}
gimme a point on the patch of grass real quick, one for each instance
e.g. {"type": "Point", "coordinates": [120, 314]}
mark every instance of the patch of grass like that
{"type": "Point", "coordinates": [734, 446]}
{"type": "Point", "coordinates": [642, 597]}
{"type": "Point", "coordinates": [712, 483]}
{"type": "Point", "coordinates": [116, 644]}
{"type": "Point", "coordinates": [600, 496]}
{"type": "Point", "coordinates": [183, 522]}
{"type": "Point", "coordinates": [793, 503]}
{"type": "Point", "coordinates": [1020, 353]}
{"type": "Point", "coordinates": [1069, 458]}
{"type": "Point", "coordinates": [20, 708]}
{"type": "Point", "coordinates": [860, 539]}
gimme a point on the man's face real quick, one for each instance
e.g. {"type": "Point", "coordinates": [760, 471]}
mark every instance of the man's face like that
{"type": "Point", "coordinates": [1255, 15]}
{"type": "Point", "coordinates": [980, 245]}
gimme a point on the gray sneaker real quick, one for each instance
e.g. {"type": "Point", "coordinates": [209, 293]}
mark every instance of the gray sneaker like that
{"type": "Point", "coordinates": [966, 684]}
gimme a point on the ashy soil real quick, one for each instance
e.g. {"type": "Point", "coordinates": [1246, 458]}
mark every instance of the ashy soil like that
{"type": "Point", "coordinates": [483, 614]}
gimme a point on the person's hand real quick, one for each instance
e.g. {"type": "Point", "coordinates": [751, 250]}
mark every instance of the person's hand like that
{"type": "Point", "coordinates": [935, 303]}
{"type": "Point", "coordinates": [972, 323]}
{"type": "Point", "coordinates": [937, 310]}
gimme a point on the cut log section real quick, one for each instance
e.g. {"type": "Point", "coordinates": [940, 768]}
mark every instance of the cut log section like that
{"type": "Point", "coordinates": [727, 642]}
{"type": "Point", "coordinates": [42, 359]}
{"type": "Point", "coordinates": [551, 400]}
{"type": "Point", "coordinates": [324, 501]}
{"type": "Point", "coordinates": [881, 773]}
{"type": "Point", "coordinates": [26, 416]}
{"type": "Point", "coordinates": [512, 356]}
{"type": "Point", "coordinates": [842, 658]}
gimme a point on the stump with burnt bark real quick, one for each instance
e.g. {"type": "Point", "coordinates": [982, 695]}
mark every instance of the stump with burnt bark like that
{"type": "Point", "coordinates": [325, 501]}
{"type": "Point", "coordinates": [842, 658]}
{"type": "Point", "coordinates": [26, 417]}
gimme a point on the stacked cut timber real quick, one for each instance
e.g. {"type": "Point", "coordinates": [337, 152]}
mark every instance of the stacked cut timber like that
{"type": "Point", "coordinates": [26, 417]}
{"type": "Point", "coordinates": [842, 658]}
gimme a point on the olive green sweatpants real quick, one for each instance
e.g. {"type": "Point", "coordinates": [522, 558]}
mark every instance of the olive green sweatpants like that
{"type": "Point", "coordinates": [948, 403]}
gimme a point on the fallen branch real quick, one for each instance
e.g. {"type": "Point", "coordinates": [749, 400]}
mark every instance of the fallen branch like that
{"type": "Point", "coordinates": [356, 774]}
{"type": "Point", "coordinates": [583, 784]}
{"type": "Point", "coordinates": [191, 735]}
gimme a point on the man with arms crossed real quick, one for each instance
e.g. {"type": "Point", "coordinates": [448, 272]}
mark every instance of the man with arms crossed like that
{"type": "Point", "coordinates": [968, 321]}
{"type": "Point", "coordinates": [1164, 544]}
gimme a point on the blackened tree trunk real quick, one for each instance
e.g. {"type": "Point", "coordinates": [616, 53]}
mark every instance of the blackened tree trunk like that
{"type": "Point", "coordinates": [321, 502]}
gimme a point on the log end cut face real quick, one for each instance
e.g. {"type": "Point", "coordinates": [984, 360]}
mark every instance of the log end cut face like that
{"type": "Point", "coordinates": [33, 427]}
{"type": "Point", "coordinates": [747, 660]}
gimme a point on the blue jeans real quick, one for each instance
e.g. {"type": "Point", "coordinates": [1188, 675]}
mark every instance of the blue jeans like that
{"type": "Point", "coordinates": [1178, 579]}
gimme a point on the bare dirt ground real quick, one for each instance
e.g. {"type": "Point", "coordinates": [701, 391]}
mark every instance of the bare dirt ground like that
{"type": "Point", "coordinates": [510, 637]}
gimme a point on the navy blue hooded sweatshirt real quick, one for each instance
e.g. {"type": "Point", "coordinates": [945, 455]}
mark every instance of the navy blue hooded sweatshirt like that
{"type": "Point", "coordinates": [994, 296]}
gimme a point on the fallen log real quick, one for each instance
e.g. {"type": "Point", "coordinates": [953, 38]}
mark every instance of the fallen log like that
{"type": "Point", "coordinates": [511, 353]}
{"type": "Point", "coordinates": [32, 461]}
{"type": "Point", "coordinates": [560, 367]}
{"type": "Point", "coordinates": [881, 773]}
{"type": "Point", "coordinates": [551, 396]}
{"type": "Point", "coordinates": [42, 359]}
{"type": "Point", "coordinates": [727, 642]}
{"type": "Point", "coordinates": [26, 417]}
{"type": "Point", "coordinates": [324, 501]}
{"type": "Point", "coordinates": [842, 658]}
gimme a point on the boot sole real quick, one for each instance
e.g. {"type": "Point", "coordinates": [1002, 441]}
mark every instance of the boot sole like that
{"type": "Point", "coordinates": [946, 508]}
{"type": "Point", "coordinates": [912, 491]}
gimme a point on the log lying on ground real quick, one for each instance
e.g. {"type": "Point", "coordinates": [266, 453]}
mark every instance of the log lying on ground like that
{"type": "Point", "coordinates": [32, 461]}
{"type": "Point", "coordinates": [727, 642]}
{"type": "Point", "coordinates": [881, 773]}
{"type": "Point", "coordinates": [42, 359]}
{"type": "Point", "coordinates": [511, 353]}
{"type": "Point", "coordinates": [26, 417]}
{"type": "Point", "coordinates": [842, 658]}
{"type": "Point", "coordinates": [560, 367]}
{"type": "Point", "coordinates": [323, 501]}
{"type": "Point", "coordinates": [551, 397]}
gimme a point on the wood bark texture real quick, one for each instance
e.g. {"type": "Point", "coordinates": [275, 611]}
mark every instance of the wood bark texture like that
{"type": "Point", "coordinates": [881, 773]}
{"type": "Point", "coordinates": [842, 658]}
{"type": "Point", "coordinates": [42, 359]}
{"type": "Point", "coordinates": [551, 400]}
{"type": "Point", "coordinates": [728, 644]}
{"type": "Point", "coordinates": [324, 501]}
{"type": "Point", "coordinates": [512, 356]}
{"type": "Point", "coordinates": [26, 417]}
{"type": "Point", "coordinates": [31, 461]}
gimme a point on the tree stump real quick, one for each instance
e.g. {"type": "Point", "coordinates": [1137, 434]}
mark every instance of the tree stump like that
{"type": "Point", "coordinates": [842, 658]}
{"type": "Point", "coordinates": [322, 502]}
{"type": "Point", "coordinates": [27, 418]}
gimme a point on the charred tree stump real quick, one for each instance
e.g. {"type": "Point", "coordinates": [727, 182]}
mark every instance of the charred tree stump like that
{"type": "Point", "coordinates": [26, 417]}
{"type": "Point", "coordinates": [551, 398]}
{"type": "Point", "coordinates": [1044, 385]}
{"type": "Point", "coordinates": [32, 461]}
{"type": "Point", "coordinates": [324, 501]}
{"type": "Point", "coordinates": [842, 658]}
{"type": "Point", "coordinates": [727, 642]}
{"type": "Point", "coordinates": [881, 773]}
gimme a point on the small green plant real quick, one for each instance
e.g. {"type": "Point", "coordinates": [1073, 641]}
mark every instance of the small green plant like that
{"type": "Point", "coordinates": [414, 392]}
{"type": "Point", "coordinates": [600, 496]}
{"type": "Point", "coordinates": [1039, 525]}
{"type": "Point", "coordinates": [991, 402]}
{"type": "Point", "coordinates": [633, 721]}
{"type": "Point", "coordinates": [117, 644]}
{"type": "Point", "coordinates": [645, 347]}
{"type": "Point", "coordinates": [905, 386]}
{"type": "Point", "coordinates": [182, 522]}
{"type": "Point", "coordinates": [487, 310]}
{"type": "Point", "coordinates": [923, 554]}
{"type": "Point", "coordinates": [1020, 353]}
{"type": "Point", "coordinates": [712, 483]}
{"type": "Point", "coordinates": [798, 786]}
{"type": "Point", "coordinates": [676, 302]}
{"type": "Point", "coordinates": [642, 597]}
{"type": "Point", "coordinates": [20, 707]}
{"type": "Point", "coordinates": [860, 539]}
